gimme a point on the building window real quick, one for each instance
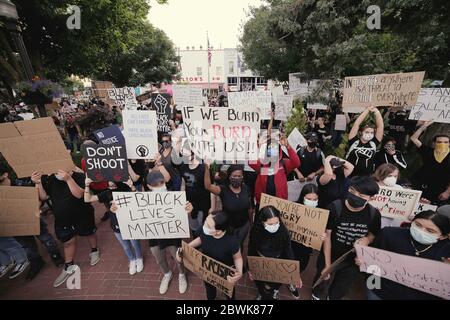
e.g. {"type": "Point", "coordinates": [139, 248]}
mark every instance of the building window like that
{"type": "Point", "coordinates": [232, 81]}
{"type": "Point", "coordinates": [231, 67]}
{"type": "Point", "coordinates": [199, 71]}
{"type": "Point", "coordinates": [218, 71]}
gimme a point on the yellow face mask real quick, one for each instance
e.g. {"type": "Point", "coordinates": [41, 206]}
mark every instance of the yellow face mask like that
{"type": "Point", "coordinates": [441, 150]}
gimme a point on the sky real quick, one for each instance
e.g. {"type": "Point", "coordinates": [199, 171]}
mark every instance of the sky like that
{"type": "Point", "coordinates": [187, 21]}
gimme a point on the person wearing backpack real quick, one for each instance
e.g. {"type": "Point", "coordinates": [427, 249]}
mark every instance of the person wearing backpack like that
{"type": "Point", "coordinates": [311, 160]}
{"type": "Point", "coordinates": [362, 149]}
{"type": "Point", "coordinates": [351, 221]}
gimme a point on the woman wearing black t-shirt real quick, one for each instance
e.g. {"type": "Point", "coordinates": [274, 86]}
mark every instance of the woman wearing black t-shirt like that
{"type": "Point", "coordinates": [269, 238]}
{"type": "Point", "coordinates": [427, 238]}
{"type": "Point", "coordinates": [235, 197]}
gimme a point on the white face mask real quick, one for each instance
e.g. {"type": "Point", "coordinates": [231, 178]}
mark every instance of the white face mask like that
{"type": "Point", "coordinates": [272, 228]}
{"type": "Point", "coordinates": [422, 236]}
{"type": "Point", "coordinates": [163, 188]}
{"type": "Point", "coordinates": [367, 136]}
{"type": "Point", "coordinates": [310, 203]}
{"type": "Point", "coordinates": [390, 181]}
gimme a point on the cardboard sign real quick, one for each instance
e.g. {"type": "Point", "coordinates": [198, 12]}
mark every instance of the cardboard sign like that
{"type": "Point", "coordinates": [110, 135]}
{"type": "Point", "coordinates": [432, 104]}
{"type": "Point", "coordinates": [106, 162]}
{"type": "Point", "coordinates": [212, 271]}
{"type": "Point", "coordinates": [333, 267]}
{"type": "Point", "coordinates": [316, 106]}
{"type": "Point", "coordinates": [305, 224]}
{"type": "Point", "coordinates": [122, 95]}
{"type": "Point", "coordinates": [161, 103]}
{"type": "Point", "coordinates": [395, 202]}
{"type": "Point", "coordinates": [252, 100]}
{"type": "Point", "coordinates": [34, 145]}
{"type": "Point", "coordinates": [296, 139]}
{"type": "Point", "coordinates": [152, 215]}
{"type": "Point", "coordinates": [185, 95]}
{"type": "Point", "coordinates": [274, 270]}
{"type": "Point", "coordinates": [283, 107]}
{"type": "Point", "coordinates": [395, 89]}
{"type": "Point", "coordinates": [341, 123]}
{"type": "Point", "coordinates": [424, 207]}
{"type": "Point", "coordinates": [101, 88]}
{"type": "Point", "coordinates": [141, 137]}
{"type": "Point", "coordinates": [222, 133]}
{"type": "Point", "coordinates": [19, 211]}
{"type": "Point", "coordinates": [429, 276]}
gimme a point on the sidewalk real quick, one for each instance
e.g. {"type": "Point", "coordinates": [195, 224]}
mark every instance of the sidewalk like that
{"type": "Point", "coordinates": [110, 280]}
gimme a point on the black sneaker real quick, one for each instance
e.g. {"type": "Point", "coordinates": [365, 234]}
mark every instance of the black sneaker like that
{"type": "Point", "coordinates": [58, 261]}
{"type": "Point", "coordinates": [294, 291]}
{"type": "Point", "coordinates": [35, 267]}
{"type": "Point", "coordinates": [19, 269]}
{"type": "Point", "coordinates": [105, 216]}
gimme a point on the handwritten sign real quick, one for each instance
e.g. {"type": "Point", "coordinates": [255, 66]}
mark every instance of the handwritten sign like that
{"type": "Point", "coordinates": [185, 95]}
{"type": "Point", "coordinates": [222, 133]}
{"type": "Point", "coordinates": [395, 202]}
{"type": "Point", "coordinates": [161, 103]}
{"type": "Point", "coordinates": [212, 271]}
{"type": "Point", "coordinates": [432, 104]}
{"type": "Point", "coordinates": [341, 123]}
{"type": "Point", "coordinates": [106, 162]}
{"type": "Point", "coordinates": [296, 139]}
{"type": "Point", "coordinates": [424, 207]}
{"type": "Point", "coordinates": [274, 270]}
{"type": "Point", "coordinates": [283, 107]}
{"type": "Point", "coordinates": [19, 212]}
{"type": "Point", "coordinates": [141, 137]}
{"type": "Point", "coordinates": [396, 89]}
{"type": "Point", "coordinates": [152, 215]}
{"type": "Point", "coordinates": [122, 95]}
{"type": "Point", "coordinates": [317, 106]}
{"type": "Point", "coordinates": [252, 100]}
{"type": "Point", "coordinates": [432, 277]}
{"type": "Point", "coordinates": [305, 224]}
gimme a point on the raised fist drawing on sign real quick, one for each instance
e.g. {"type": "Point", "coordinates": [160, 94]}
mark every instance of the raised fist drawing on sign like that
{"type": "Point", "coordinates": [161, 104]}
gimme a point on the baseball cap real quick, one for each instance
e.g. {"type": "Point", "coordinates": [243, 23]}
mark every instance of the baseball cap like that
{"type": "Point", "coordinates": [312, 136]}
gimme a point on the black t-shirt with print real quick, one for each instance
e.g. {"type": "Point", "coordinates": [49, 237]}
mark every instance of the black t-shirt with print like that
{"type": "Point", "coordinates": [196, 192]}
{"type": "Point", "coordinates": [349, 226]}
{"type": "Point", "coordinates": [362, 156]}
{"type": "Point", "coordinates": [309, 161]}
{"type": "Point", "coordinates": [399, 240]}
{"type": "Point", "coordinates": [68, 210]}
{"type": "Point", "coordinates": [221, 249]}
{"type": "Point", "coordinates": [322, 133]}
{"type": "Point", "coordinates": [106, 197]}
{"type": "Point", "coordinates": [236, 205]}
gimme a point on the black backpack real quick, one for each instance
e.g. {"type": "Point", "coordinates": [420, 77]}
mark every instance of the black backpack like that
{"type": "Point", "coordinates": [301, 151]}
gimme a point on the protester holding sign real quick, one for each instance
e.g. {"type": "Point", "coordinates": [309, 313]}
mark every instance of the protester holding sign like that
{"type": "Point", "coordinates": [323, 131]}
{"type": "Point", "coordinates": [216, 242]}
{"type": "Point", "coordinates": [72, 215]}
{"type": "Point", "coordinates": [351, 221]}
{"type": "Point", "coordinates": [433, 178]}
{"type": "Point", "coordinates": [361, 152]}
{"type": "Point", "coordinates": [269, 238]}
{"type": "Point", "coordinates": [427, 238]}
{"type": "Point", "coordinates": [311, 160]}
{"type": "Point", "coordinates": [235, 197]}
{"type": "Point", "coordinates": [389, 154]}
{"type": "Point", "coordinates": [333, 183]}
{"type": "Point", "coordinates": [166, 159]}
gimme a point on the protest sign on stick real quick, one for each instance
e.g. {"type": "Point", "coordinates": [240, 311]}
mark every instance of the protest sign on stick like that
{"type": "Point", "coordinates": [106, 162]}
{"type": "Point", "coordinates": [333, 267]}
{"type": "Point", "coordinates": [222, 133]}
{"type": "Point", "coordinates": [396, 89]}
{"type": "Point", "coordinates": [274, 270]}
{"type": "Point", "coordinates": [305, 224]}
{"type": "Point", "coordinates": [19, 211]}
{"type": "Point", "coordinates": [432, 104]}
{"type": "Point", "coordinates": [341, 123]}
{"type": "Point", "coordinates": [252, 99]}
{"type": "Point", "coordinates": [161, 103]}
{"type": "Point", "coordinates": [152, 215]}
{"type": "Point", "coordinates": [397, 203]}
{"type": "Point", "coordinates": [317, 106]}
{"type": "Point", "coordinates": [212, 271]}
{"type": "Point", "coordinates": [283, 107]}
{"type": "Point", "coordinates": [426, 275]}
{"type": "Point", "coordinates": [187, 96]}
{"type": "Point", "coordinates": [141, 137]}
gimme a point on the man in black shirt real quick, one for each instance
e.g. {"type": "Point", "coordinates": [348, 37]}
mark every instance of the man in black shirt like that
{"type": "Point", "coordinates": [72, 215]}
{"type": "Point", "coordinates": [311, 159]}
{"type": "Point", "coordinates": [350, 221]}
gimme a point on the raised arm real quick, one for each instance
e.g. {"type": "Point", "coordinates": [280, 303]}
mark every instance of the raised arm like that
{"type": "Point", "coordinates": [379, 123]}
{"type": "Point", "coordinates": [88, 195]}
{"type": "Point", "coordinates": [36, 178]}
{"type": "Point", "coordinates": [357, 124]}
{"type": "Point", "coordinates": [417, 134]}
{"type": "Point", "coordinates": [74, 188]}
{"type": "Point", "coordinates": [207, 180]}
{"type": "Point", "coordinates": [327, 171]}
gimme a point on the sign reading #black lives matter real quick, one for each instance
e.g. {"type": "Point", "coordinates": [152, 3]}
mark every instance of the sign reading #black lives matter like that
{"type": "Point", "coordinates": [106, 162]}
{"type": "Point", "coordinates": [396, 89]}
{"type": "Point", "coordinates": [152, 215]}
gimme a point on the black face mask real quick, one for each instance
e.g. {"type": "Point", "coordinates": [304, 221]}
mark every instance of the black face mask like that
{"type": "Point", "coordinates": [355, 201]}
{"type": "Point", "coordinates": [312, 144]}
{"type": "Point", "coordinates": [166, 144]}
{"type": "Point", "coordinates": [236, 182]}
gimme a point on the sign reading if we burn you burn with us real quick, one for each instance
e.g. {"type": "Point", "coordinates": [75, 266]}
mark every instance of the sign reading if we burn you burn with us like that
{"type": "Point", "coordinates": [222, 133]}
{"type": "Point", "coordinates": [305, 224]}
{"type": "Point", "coordinates": [396, 203]}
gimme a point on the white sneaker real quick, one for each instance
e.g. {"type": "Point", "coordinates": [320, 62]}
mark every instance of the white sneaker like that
{"type": "Point", "coordinates": [132, 267]}
{"type": "Point", "coordinates": [182, 283]}
{"type": "Point", "coordinates": [64, 275]}
{"type": "Point", "coordinates": [165, 283]}
{"type": "Point", "coordinates": [95, 257]}
{"type": "Point", "coordinates": [139, 265]}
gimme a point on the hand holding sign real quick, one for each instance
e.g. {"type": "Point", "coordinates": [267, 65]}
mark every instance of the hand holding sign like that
{"type": "Point", "coordinates": [36, 177]}
{"type": "Point", "coordinates": [234, 277]}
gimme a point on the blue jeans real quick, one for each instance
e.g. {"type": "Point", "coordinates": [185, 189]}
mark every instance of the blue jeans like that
{"type": "Point", "coordinates": [127, 246]}
{"type": "Point", "coordinates": [11, 252]}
